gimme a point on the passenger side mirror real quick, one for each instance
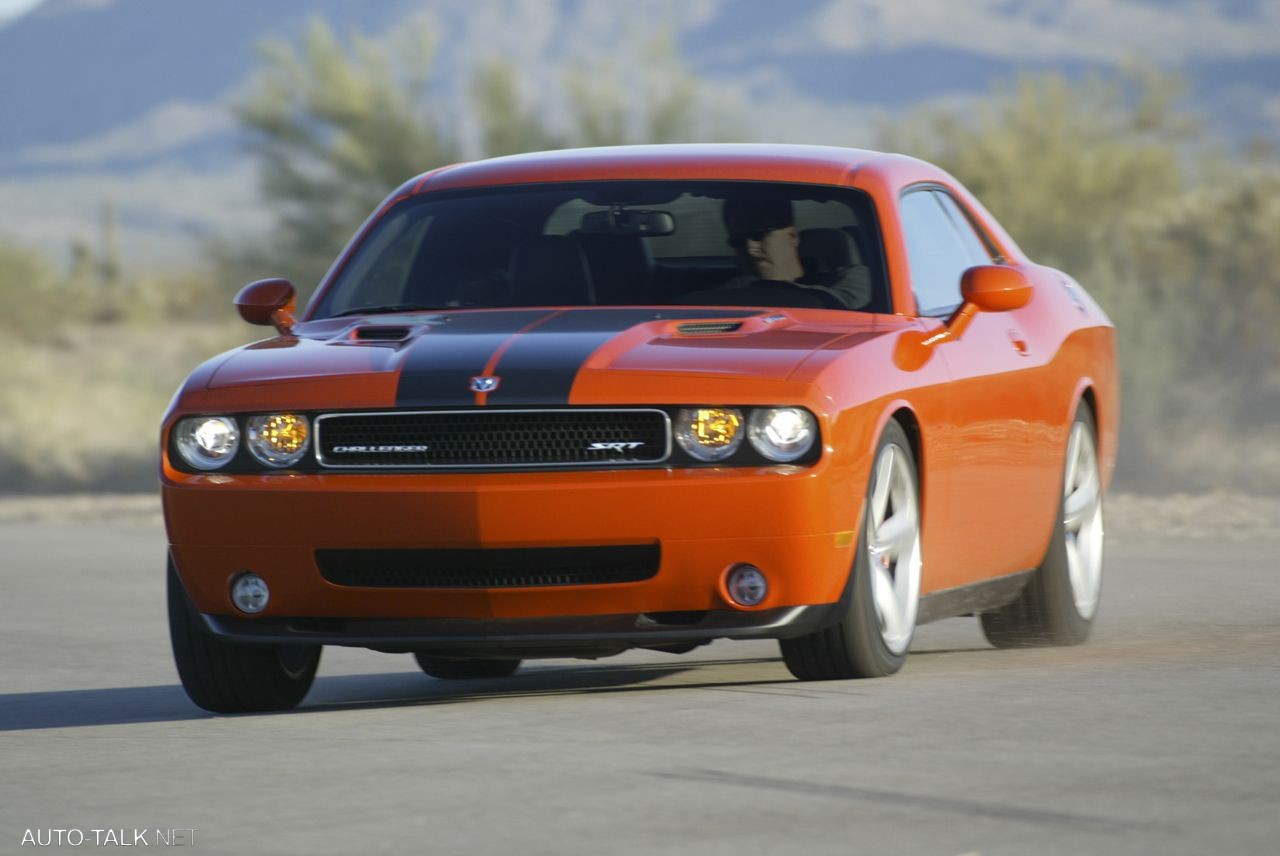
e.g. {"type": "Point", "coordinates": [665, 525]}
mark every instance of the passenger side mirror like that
{"type": "Point", "coordinates": [984, 288]}
{"type": "Point", "coordinates": [268, 301]}
{"type": "Point", "coordinates": [995, 288]}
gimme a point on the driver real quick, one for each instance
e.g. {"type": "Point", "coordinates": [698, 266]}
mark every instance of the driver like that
{"type": "Point", "coordinates": [763, 230]}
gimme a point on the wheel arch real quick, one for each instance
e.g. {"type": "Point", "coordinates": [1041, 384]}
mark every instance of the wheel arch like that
{"type": "Point", "coordinates": [905, 415]}
{"type": "Point", "coordinates": [1102, 410]}
{"type": "Point", "coordinates": [1086, 395]}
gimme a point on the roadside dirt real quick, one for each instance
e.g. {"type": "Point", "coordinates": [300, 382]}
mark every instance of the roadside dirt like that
{"type": "Point", "coordinates": [129, 509]}
{"type": "Point", "coordinates": [1223, 515]}
{"type": "Point", "coordinates": [1220, 515]}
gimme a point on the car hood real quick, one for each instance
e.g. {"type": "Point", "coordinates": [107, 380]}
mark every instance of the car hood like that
{"type": "Point", "coordinates": [536, 355]}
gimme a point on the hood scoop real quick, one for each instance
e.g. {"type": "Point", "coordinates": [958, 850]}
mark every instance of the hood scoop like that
{"type": "Point", "coordinates": [380, 333]}
{"type": "Point", "coordinates": [708, 328]}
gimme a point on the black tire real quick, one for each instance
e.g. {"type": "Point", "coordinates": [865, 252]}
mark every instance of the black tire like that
{"type": "Point", "coordinates": [1045, 614]}
{"type": "Point", "coordinates": [224, 677]}
{"type": "Point", "coordinates": [459, 670]}
{"type": "Point", "coordinates": [854, 646]}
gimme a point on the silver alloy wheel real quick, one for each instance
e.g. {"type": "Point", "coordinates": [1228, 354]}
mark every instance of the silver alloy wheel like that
{"type": "Point", "coordinates": [893, 548]}
{"type": "Point", "coordinates": [1082, 520]}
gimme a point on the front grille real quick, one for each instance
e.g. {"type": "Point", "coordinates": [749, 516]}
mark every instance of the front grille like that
{"type": "Point", "coordinates": [491, 568]}
{"type": "Point", "coordinates": [493, 438]}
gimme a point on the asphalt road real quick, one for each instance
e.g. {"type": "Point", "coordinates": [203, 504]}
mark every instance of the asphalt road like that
{"type": "Point", "coordinates": [1161, 735]}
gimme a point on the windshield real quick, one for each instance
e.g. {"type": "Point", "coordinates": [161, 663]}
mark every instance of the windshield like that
{"type": "Point", "coordinates": [618, 244]}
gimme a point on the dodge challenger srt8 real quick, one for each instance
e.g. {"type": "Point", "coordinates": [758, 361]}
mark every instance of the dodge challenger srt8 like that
{"type": "Point", "coordinates": [567, 404]}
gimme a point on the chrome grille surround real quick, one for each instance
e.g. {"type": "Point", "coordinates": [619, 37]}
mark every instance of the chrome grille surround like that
{"type": "Point", "coordinates": [517, 429]}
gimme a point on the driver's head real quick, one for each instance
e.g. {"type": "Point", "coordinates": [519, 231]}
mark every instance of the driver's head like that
{"type": "Point", "coordinates": [763, 228]}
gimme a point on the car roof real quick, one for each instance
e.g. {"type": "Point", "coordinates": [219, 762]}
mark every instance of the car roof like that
{"type": "Point", "coordinates": [708, 161]}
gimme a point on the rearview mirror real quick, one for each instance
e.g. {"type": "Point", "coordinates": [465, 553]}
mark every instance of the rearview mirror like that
{"type": "Point", "coordinates": [628, 221]}
{"type": "Point", "coordinates": [995, 288]}
{"type": "Point", "coordinates": [268, 301]}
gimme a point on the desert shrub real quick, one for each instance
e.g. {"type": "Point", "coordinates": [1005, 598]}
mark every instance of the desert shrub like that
{"type": "Point", "coordinates": [34, 298]}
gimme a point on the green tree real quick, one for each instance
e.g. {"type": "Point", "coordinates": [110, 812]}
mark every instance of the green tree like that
{"type": "Point", "coordinates": [657, 99]}
{"type": "Point", "coordinates": [509, 122]}
{"type": "Point", "coordinates": [1061, 163]}
{"type": "Point", "coordinates": [335, 130]}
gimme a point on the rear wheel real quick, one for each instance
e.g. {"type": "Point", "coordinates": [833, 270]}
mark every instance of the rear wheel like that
{"type": "Point", "coordinates": [224, 677]}
{"type": "Point", "coordinates": [872, 638]}
{"type": "Point", "coordinates": [454, 670]}
{"type": "Point", "coordinates": [1059, 603]}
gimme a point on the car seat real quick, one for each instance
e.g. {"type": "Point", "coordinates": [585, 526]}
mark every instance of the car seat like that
{"type": "Point", "coordinates": [826, 253]}
{"type": "Point", "coordinates": [550, 270]}
{"type": "Point", "coordinates": [620, 267]}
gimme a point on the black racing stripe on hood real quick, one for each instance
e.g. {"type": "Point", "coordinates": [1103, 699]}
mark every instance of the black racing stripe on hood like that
{"type": "Point", "coordinates": [438, 369]}
{"type": "Point", "coordinates": [540, 366]}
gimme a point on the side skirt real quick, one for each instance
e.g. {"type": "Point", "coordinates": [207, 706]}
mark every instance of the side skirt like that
{"type": "Point", "coordinates": [973, 598]}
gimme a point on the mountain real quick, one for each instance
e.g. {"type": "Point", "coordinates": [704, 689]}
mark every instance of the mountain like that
{"type": "Point", "coordinates": [128, 99]}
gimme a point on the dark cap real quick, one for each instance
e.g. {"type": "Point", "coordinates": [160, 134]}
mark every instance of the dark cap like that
{"type": "Point", "coordinates": [745, 214]}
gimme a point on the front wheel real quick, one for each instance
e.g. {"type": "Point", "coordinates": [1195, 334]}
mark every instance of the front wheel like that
{"type": "Point", "coordinates": [872, 638]}
{"type": "Point", "coordinates": [224, 677]}
{"type": "Point", "coordinates": [1059, 603]}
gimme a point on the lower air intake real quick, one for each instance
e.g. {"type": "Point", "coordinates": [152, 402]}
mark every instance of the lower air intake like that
{"type": "Point", "coordinates": [489, 568]}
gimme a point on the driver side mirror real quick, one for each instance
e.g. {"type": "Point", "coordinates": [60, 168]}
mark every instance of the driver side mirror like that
{"type": "Point", "coordinates": [268, 301]}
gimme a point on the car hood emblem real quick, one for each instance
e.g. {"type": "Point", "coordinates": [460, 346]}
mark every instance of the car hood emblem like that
{"type": "Point", "coordinates": [484, 383]}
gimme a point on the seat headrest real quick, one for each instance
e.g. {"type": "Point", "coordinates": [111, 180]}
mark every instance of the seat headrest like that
{"type": "Point", "coordinates": [620, 267]}
{"type": "Point", "coordinates": [826, 250]}
{"type": "Point", "coordinates": [550, 270]}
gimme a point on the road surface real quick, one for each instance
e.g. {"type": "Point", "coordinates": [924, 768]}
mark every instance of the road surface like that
{"type": "Point", "coordinates": [1160, 735]}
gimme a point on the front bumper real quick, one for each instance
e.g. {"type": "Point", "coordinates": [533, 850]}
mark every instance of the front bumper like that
{"type": "Point", "coordinates": [524, 637]}
{"type": "Point", "coordinates": [794, 523]}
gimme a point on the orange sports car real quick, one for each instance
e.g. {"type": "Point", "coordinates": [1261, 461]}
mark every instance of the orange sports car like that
{"type": "Point", "coordinates": [571, 403]}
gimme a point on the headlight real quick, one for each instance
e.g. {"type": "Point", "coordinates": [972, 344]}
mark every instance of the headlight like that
{"type": "Point", "coordinates": [709, 433]}
{"type": "Point", "coordinates": [279, 439]}
{"type": "Point", "coordinates": [782, 433]}
{"type": "Point", "coordinates": [207, 442]}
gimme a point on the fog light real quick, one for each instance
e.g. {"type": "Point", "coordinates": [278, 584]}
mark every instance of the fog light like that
{"type": "Point", "coordinates": [279, 439]}
{"type": "Point", "coordinates": [249, 593]}
{"type": "Point", "coordinates": [747, 585]}
{"type": "Point", "coordinates": [709, 433]}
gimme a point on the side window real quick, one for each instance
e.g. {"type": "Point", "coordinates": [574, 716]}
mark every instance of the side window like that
{"type": "Point", "coordinates": [936, 252]}
{"type": "Point", "coordinates": [979, 254]}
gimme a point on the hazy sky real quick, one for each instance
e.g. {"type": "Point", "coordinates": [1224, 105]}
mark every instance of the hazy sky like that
{"type": "Point", "coordinates": [9, 8]}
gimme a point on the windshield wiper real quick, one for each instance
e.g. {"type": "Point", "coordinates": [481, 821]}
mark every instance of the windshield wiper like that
{"type": "Point", "coordinates": [382, 310]}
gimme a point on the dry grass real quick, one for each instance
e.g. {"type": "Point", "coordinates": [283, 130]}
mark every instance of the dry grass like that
{"type": "Point", "coordinates": [1208, 455]}
{"type": "Point", "coordinates": [82, 411]}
